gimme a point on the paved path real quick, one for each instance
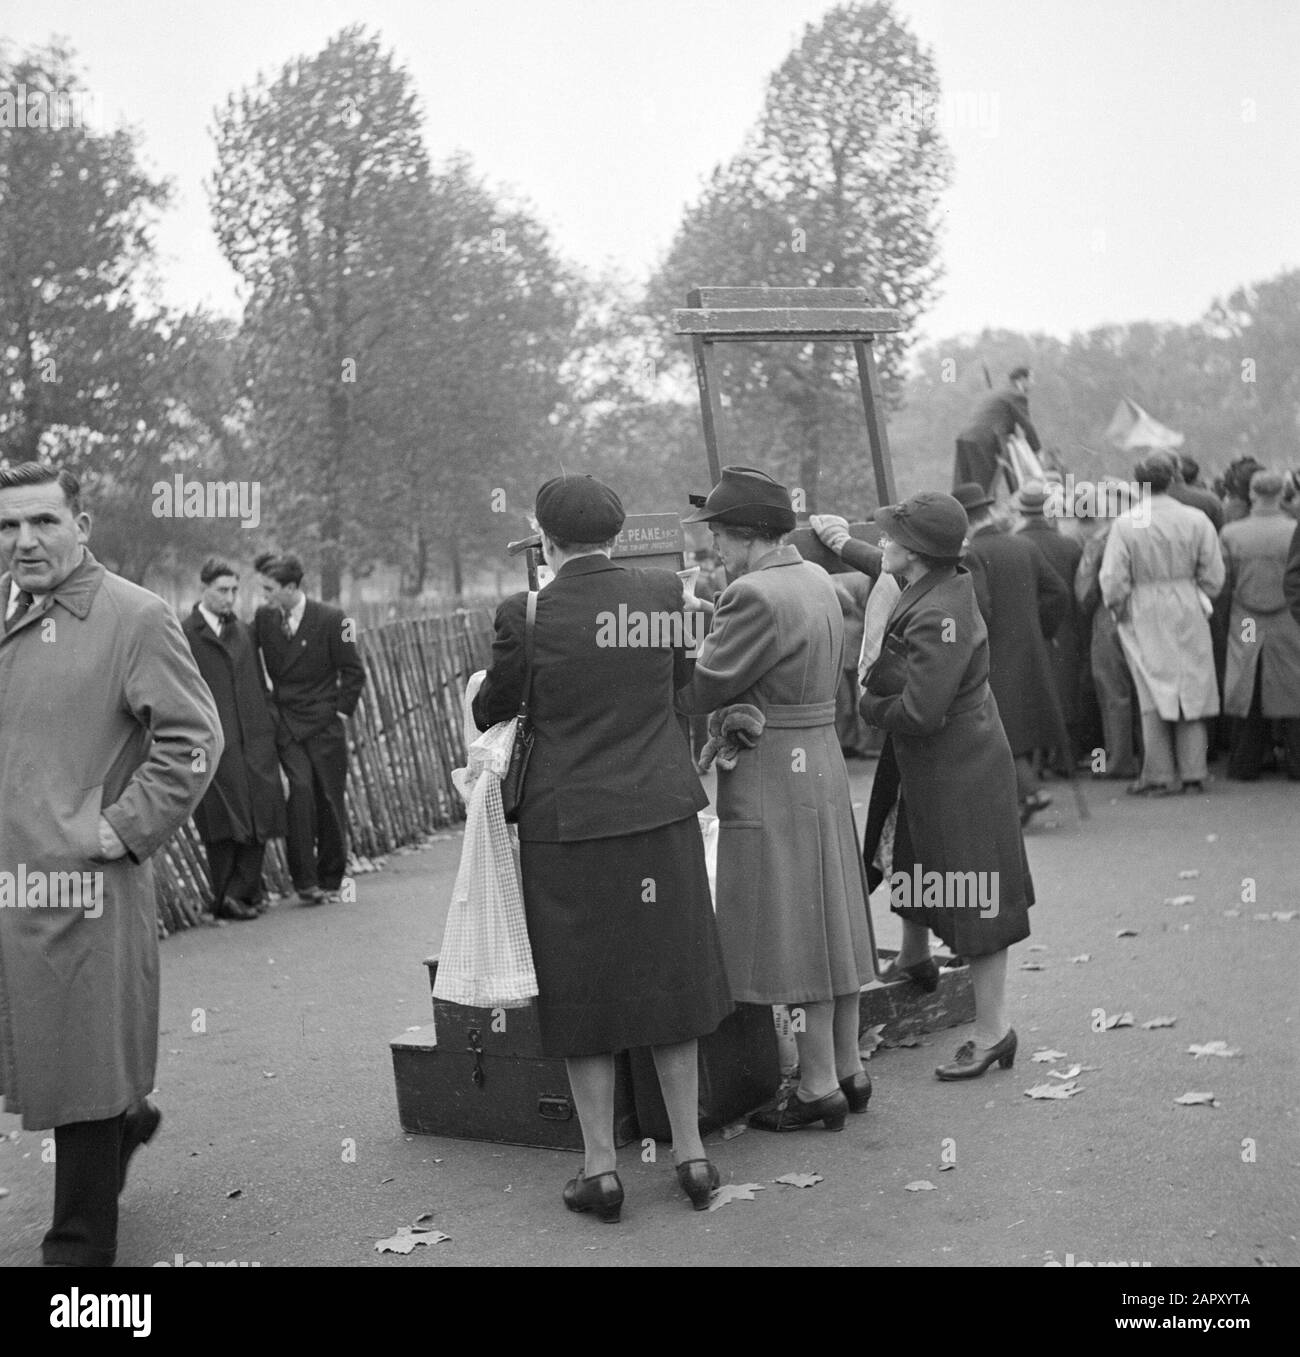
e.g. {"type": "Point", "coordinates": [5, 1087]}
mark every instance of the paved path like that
{"type": "Point", "coordinates": [294, 1066]}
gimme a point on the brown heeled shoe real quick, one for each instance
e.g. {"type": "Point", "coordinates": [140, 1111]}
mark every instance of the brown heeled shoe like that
{"type": "Point", "coordinates": [602, 1194]}
{"type": "Point", "coordinates": [698, 1179]}
{"type": "Point", "coordinates": [794, 1114]}
{"type": "Point", "coordinates": [966, 1066]}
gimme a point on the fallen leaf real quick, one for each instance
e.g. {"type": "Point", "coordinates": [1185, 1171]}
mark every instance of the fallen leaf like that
{"type": "Point", "coordinates": [799, 1179]}
{"type": "Point", "coordinates": [1072, 1073]}
{"type": "Point", "coordinates": [1127, 933]}
{"type": "Point", "coordinates": [268, 1074]}
{"type": "Point", "coordinates": [944, 1168]}
{"type": "Point", "coordinates": [1066, 1090]}
{"type": "Point", "coordinates": [382, 1181]}
{"type": "Point", "coordinates": [736, 1128]}
{"type": "Point", "coordinates": [910, 1040]}
{"type": "Point", "coordinates": [1047, 1057]}
{"type": "Point", "coordinates": [1196, 1100]}
{"type": "Point", "coordinates": [1214, 1048]}
{"type": "Point", "coordinates": [1037, 947]}
{"type": "Point", "coordinates": [921, 1185]}
{"type": "Point", "coordinates": [734, 1192]}
{"type": "Point", "coordinates": [1081, 958]}
{"type": "Point", "coordinates": [1180, 900]}
{"type": "Point", "coordinates": [1159, 1022]}
{"type": "Point", "coordinates": [1032, 966]}
{"type": "Point", "coordinates": [406, 1239]}
{"type": "Point", "coordinates": [1284, 916]}
{"type": "Point", "coordinates": [238, 1192]}
{"type": "Point", "coordinates": [1189, 874]}
{"type": "Point", "coordinates": [1119, 1020]}
{"type": "Point", "coordinates": [869, 1040]}
{"type": "Point", "coordinates": [422, 1224]}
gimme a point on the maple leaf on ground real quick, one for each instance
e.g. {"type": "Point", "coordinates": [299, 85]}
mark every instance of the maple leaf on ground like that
{"type": "Point", "coordinates": [1119, 1020]}
{"type": "Point", "coordinates": [1180, 899]}
{"type": "Point", "coordinates": [734, 1129]}
{"type": "Point", "coordinates": [1127, 933]}
{"type": "Point", "coordinates": [921, 1185]}
{"type": "Point", "coordinates": [799, 1179]}
{"type": "Point", "coordinates": [406, 1239]}
{"type": "Point", "coordinates": [870, 1040]}
{"type": "Point", "coordinates": [1046, 1056]}
{"type": "Point", "coordinates": [1214, 1048]}
{"type": "Point", "coordinates": [734, 1192]}
{"type": "Point", "coordinates": [1072, 1073]}
{"type": "Point", "coordinates": [1159, 1022]}
{"type": "Point", "coordinates": [1197, 1100]}
{"type": "Point", "coordinates": [1066, 1090]}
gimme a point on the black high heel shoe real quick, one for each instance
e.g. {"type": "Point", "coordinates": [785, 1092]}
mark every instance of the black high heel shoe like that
{"type": "Point", "coordinates": [924, 973]}
{"type": "Point", "coordinates": [794, 1114]}
{"type": "Point", "coordinates": [966, 1066]}
{"type": "Point", "coordinates": [602, 1194]}
{"type": "Point", "coordinates": [857, 1091]}
{"type": "Point", "coordinates": [698, 1178]}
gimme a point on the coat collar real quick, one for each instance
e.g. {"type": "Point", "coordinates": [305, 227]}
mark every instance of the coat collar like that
{"type": "Point", "coordinates": [914, 593]}
{"type": "Point", "coordinates": [76, 593]}
{"type": "Point", "coordinates": [586, 565]}
{"type": "Point", "coordinates": [786, 554]}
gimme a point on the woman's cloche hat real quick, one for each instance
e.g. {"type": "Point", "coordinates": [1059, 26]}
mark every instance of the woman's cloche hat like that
{"type": "Point", "coordinates": [931, 523]}
{"type": "Point", "coordinates": [747, 498]}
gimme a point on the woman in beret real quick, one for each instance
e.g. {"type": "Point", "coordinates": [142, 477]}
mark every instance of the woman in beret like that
{"type": "Point", "coordinates": [616, 893]}
{"type": "Point", "coordinates": [957, 866]}
{"type": "Point", "coordinates": [792, 907]}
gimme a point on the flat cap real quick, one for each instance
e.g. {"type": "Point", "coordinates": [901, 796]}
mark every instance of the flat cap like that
{"type": "Point", "coordinates": [579, 509]}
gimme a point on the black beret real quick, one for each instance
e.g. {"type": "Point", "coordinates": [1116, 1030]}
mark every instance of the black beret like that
{"type": "Point", "coordinates": [579, 509]}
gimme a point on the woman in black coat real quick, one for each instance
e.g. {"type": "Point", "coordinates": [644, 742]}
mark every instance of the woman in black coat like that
{"type": "Point", "coordinates": [958, 866]}
{"type": "Point", "coordinates": [620, 916]}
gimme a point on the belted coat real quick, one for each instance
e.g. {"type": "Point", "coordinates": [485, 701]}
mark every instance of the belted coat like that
{"type": "Point", "coordinates": [103, 712]}
{"type": "Point", "coordinates": [791, 890]}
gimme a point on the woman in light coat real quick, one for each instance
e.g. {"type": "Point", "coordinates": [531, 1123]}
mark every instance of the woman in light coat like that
{"type": "Point", "coordinates": [1161, 568]}
{"type": "Point", "coordinates": [791, 892]}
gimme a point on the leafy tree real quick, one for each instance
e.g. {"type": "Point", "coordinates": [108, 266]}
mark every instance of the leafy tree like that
{"type": "Point", "coordinates": [837, 185]}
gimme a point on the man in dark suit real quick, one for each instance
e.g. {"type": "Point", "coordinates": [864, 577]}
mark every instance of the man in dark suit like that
{"type": "Point", "coordinates": [310, 655]}
{"type": "Point", "coordinates": [1024, 602]}
{"type": "Point", "coordinates": [1000, 413]}
{"type": "Point", "coordinates": [243, 807]}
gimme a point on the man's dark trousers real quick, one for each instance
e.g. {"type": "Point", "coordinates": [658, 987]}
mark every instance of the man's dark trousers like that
{"type": "Point", "coordinates": [87, 1181]}
{"type": "Point", "coordinates": [317, 842]}
{"type": "Point", "coordinates": [236, 870]}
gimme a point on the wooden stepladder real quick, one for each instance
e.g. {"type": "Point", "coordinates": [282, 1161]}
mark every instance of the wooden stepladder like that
{"type": "Point", "coordinates": [798, 315]}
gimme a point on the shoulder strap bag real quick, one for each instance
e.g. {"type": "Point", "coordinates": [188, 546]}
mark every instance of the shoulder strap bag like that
{"type": "Point", "coordinates": [512, 784]}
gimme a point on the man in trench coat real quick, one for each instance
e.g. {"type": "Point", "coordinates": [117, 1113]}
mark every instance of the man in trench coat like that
{"type": "Point", "coordinates": [108, 737]}
{"type": "Point", "coordinates": [244, 807]}
{"type": "Point", "coordinates": [1023, 601]}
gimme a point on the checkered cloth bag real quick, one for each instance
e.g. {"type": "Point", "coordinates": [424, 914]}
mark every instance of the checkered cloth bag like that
{"type": "Point", "coordinates": [485, 960]}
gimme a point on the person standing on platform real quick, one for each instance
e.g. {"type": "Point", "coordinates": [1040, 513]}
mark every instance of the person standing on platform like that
{"type": "Point", "coordinates": [980, 452]}
{"type": "Point", "coordinates": [310, 655]}
{"type": "Point", "coordinates": [1262, 679]}
{"type": "Point", "coordinates": [244, 807]}
{"type": "Point", "coordinates": [108, 738]}
{"type": "Point", "coordinates": [1161, 569]}
{"type": "Point", "coordinates": [791, 890]}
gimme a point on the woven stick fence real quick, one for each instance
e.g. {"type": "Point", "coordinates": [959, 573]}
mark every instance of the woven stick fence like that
{"type": "Point", "coordinates": [403, 741]}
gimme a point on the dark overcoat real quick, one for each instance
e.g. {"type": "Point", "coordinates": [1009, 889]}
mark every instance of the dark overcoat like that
{"type": "Point", "coordinates": [1062, 554]}
{"type": "Point", "coordinates": [791, 892]}
{"type": "Point", "coordinates": [957, 780]}
{"type": "Point", "coordinates": [103, 712]}
{"type": "Point", "coordinates": [1026, 601]}
{"type": "Point", "coordinates": [245, 802]}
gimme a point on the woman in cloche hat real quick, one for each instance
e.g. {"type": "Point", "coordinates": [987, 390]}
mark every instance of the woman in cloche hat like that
{"type": "Point", "coordinates": [791, 893]}
{"type": "Point", "coordinates": [616, 892]}
{"type": "Point", "coordinates": [957, 866]}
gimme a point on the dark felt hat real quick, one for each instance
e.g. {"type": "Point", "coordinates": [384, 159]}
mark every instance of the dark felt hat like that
{"type": "Point", "coordinates": [579, 509]}
{"type": "Point", "coordinates": [932, 523]}
{"type": "Point", "coordinates": [972, 495]}
{"type": "Point", "coordinates": [745, 498]}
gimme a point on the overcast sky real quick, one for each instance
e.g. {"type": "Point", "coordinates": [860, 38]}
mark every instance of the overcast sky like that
{"type": "Point", "coordinates": [1115, 160]}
